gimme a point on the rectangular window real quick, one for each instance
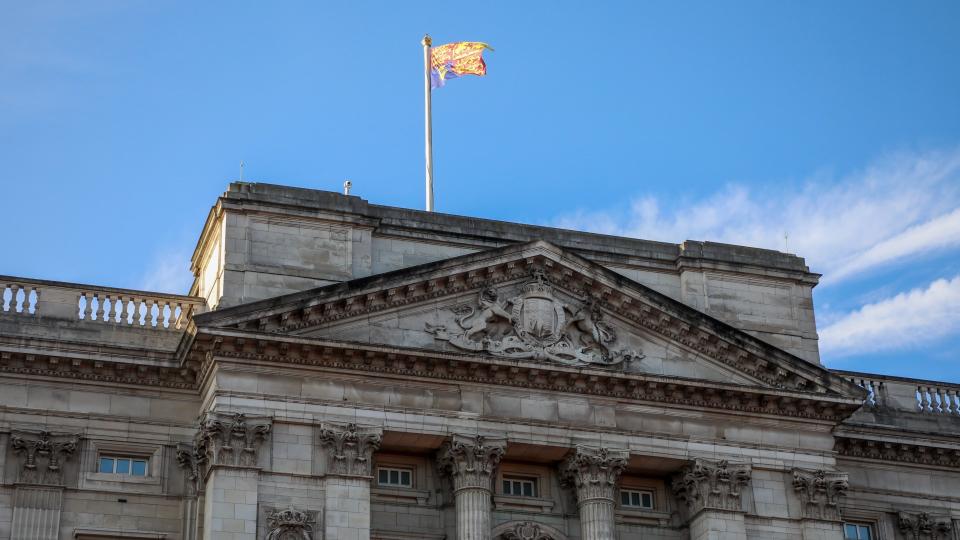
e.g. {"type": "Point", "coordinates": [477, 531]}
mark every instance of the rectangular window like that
{"type": "Point", "coordinates": [388, 476]}
{"type": "Point", "coordinates": [857, 531]}
{"type": "Point", "coordinates": [635, 498]}
{"type": "Point", "coordinates": [132, 466]}
{"type": "Point", "coordinates": [520, 487]}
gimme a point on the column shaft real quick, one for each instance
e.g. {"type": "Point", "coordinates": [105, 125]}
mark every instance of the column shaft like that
{"type": "Point", "coordinates": [473, 514]}
{"type": "Point", "coordinates": [596, 520]}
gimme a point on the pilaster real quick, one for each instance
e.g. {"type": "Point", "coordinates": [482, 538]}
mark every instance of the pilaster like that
{"type": "Point", "coordinates": [711, 492]}
{"type": "Point", "coordinates": [594, 473]}
{"type": "Point", "coordinates": [38, 498]}
{"type": "Point", "coordinates": [820, 493]}
{"type": "Point", "coordinates": [471, 461]}
{"type": "Point", "coordinates": [349, 457]}
{"type": "Point", "coordinates": [923, 526]}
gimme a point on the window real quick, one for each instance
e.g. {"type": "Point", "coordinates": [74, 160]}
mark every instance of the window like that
{"type": "Point", "coordinates": [857, 531]}
{"type": "Point", "coordinates": [519, 487]}
{"type": "Point", "coordinates": [634, 498]}
{"type": "Point", "coordinates": [389, 476]}
{"type": "Point", "coordinates": [123, 465]}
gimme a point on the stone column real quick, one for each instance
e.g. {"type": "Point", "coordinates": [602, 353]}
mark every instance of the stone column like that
{"type": "Point", "coordinates": [594, 473]}
{"type": "Point", "coordinates": [348, 450]}
{"type": "Point", "coordinates": [470, 462]}
{"type": "Point", "coordinates": [711, 493]}
{"type": "Point", "coordinates": [227, 451]}
{"type": "Point", "coordinates": [820, 493]}
{"type": "Point", "coordinates": [38, 499]}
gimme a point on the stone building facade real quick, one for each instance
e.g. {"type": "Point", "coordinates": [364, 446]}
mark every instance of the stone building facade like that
{"type": "Point", "coordinates": [347, 371]}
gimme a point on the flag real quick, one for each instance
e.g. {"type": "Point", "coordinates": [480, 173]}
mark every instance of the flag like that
{"type": "Point", "coordinates": [455, 59]}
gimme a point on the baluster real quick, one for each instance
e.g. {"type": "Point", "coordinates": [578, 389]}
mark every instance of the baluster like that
{"type": "Point", "coordinates": [142, 311]}
{"type": "Point", "coordinates": [27, 303]}
{"type": "Point", "coordinates": [954, 401]}
{"type": "Point", "coordinates": [942, 401]}
{"type": "Point", "coordinates": [159, 320]}
{"type": "Point", "coordinates": [154, 318]}
{"type": "Point", "coordinates": [125, 310]}
{"type": "Point", "coordinates": [88, 306]}
{"type": "Point", "coordinates": [99, 313]}
{"type": "Point", "coordinates": [13, 298]}
{"type": "Point", "coordinates": [170, 305]}
{"type": "Point", "coordinates": [178, 319]}
{"type": "Point", "coordinates": [3, 298]}
{"type": "Point", "coordinates": [924, 399]}
{"type": "Point", "coordinates": [951, 401]}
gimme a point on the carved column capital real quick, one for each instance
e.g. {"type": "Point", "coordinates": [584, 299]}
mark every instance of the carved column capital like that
{"type": "Point", "coordinates": [194, 465]}
{"type": "Point", "coordinates": [715, 485]}
{"type": "Point", "coordinates": [820, 492]}
{"type": "Point", "coordinates": [349, 448]}
{"type": "Point", "coordinates": [470, 460]}
{"type": "Point", "coordinates": [594, 472]}
{"type": "Point", "coordinates": [42, 455]}
{"type": "Point", "coordinates": [923, 526]}
{"type": "Point", "coordinates": [231, 439]}
{"type": "Point", "coordinates": [289, 524]}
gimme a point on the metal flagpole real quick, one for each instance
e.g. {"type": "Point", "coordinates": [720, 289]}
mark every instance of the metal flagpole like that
{"type": "Point", "coordinates": [426, 42]}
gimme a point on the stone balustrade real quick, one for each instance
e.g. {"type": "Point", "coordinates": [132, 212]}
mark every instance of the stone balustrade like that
{"type": "Point", "coordinates": [96, 305]}
{"type": "Point", "coordinates": [905, 394]}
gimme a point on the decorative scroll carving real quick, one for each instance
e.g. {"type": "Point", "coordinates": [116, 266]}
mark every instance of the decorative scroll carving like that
{"type": "Point", "coordinates": [232, 439]}
{"type": "Point", "coordinates": [470, 461]}
{"type": "Point", "coordinates": [349, 450]}
{"type": "Point", "coordinates": [711, 485]}
{"type": "Point", "coordinates": [289, 524]}
{"type": "Point", "coordinates": [594, 472]}
{"type": "Point", "coordinates": [820, 492]}
{"type": "Point", "coordinates": [526, 530]}
{"type": "Point", "coordinates": [923, 526]}
{"type": "Point", "coordinates": [43, 455]}
{"type": "Point", "coordinates": [194, 465]}
{"type": "Point", "coordinates": [536, 324]}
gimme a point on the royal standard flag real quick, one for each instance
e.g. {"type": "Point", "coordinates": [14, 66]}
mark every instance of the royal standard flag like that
{"type": "Point", "coordinates": [455, 59]}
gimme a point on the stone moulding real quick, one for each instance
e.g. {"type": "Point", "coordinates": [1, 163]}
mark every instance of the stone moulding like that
{"type": "Point", "coordinates": [289, 524]}
{"type": "Point", "coordinates": [242, 346]}
{"type": "Point", "coordinates": [471, 460]}
{"type": "Point", "coordinates": [42, 455]}
{"type": "Point", "coordinates": [98, 371]}
{"type": "Point", "coordinates": [897, 451]}
{"type": "Point", "coordinates": [711, 485]}
{"type": "Point", "coordinates": [820, 492]}
{"type": "Point", "coordinates": [594, 472]}
{"type": "Point", "coordinates": [349, 449]}
{"type": "Point", "coordinates": [923, 526]}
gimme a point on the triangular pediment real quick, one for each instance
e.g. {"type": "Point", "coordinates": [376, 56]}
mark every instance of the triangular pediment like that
{"type": "Point", "coordinates": [532, 303]}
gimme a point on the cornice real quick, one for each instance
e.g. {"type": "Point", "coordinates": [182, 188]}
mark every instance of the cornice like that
{"type": "Point", "coordinates": [96, 371]}
{"type": "Point", "coordinates": [899, 452]}
{"type": "Point", "coordinates": [214, 345]}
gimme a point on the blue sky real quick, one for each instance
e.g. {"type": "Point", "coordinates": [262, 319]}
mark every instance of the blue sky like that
{"type": "Point", "coordinates": [837, 123]}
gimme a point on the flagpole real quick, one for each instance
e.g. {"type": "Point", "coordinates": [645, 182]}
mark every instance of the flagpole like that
{"type": "Point", "coordinates": [428, 119]}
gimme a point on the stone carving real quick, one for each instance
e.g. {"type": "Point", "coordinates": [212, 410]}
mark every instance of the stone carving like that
{"type": "Point", "coordinates": [349, 450]}
{"type": "Point", "coordinates": [231, 439]}
{"type": "Point", "coordinates": [923, 526]}
{"type": "Point", "coordinates": [594, 472]}
{"type": "Point", "coordinates": [820, 492]}
{"type": "Point", "coordinates": [43, 455]}
{"type": "Point", "coordinates": [711, 485]}
{"type": "Point", "coordinates": [898, 451]}
{"type": "Point", "coordinates": [193, 464]}
{"type": "Point", "coordinates": [289, 524]}
{"type": "Point", "coordinates": [526, 530]}
{"type": "Point", "coordinates": [535, 324]}
{"type": "Point", "coordinates": [470, 461]}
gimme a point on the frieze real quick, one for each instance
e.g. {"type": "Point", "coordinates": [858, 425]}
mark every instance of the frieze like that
{"type": "Point", "coordinates": [42, 456]}
{"type": "Point", "coordinates": [706, 484]}
{"type": "Point", "coordinates": [820, 492]}
{"type": "Point", "coordinates": [470, 460]}
{"type": "Point", "coordinates": [349, 450]}
{"type": "Point", "coordinates": [289, 524]}
{"type": "Point", "coordinates": [594, 472]}
{"type": "Point", "coordinates": [923, 526]}
{"type": "Point", "coordinates": [535, 324]}
{"type": "Point", "coordinates": [232, 439]}
{"type": "Point", "coordinates": [897, 451]}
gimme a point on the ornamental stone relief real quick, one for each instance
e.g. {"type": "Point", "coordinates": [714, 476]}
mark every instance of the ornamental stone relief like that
{"type": "Point", "coordinates": [289, 524]}
{"type": "Point", "coordinates": [470, 461]}
{"type": "Point", "coordinates": [708, 484]}
{"type": "Point", "coordinates": [820, 492]}
{"type": "Point", "coordinates": [42, 456]}
{"type": "Point", "coordinates": [526, 530]}
{"type": "Point", "coordinates": [594, 472]}
{"type": "Point", "coordinates": [923, 526]}
{"type": "Point", "coordinates": [535, 324]}
{"type": "Point", "coordinates": [349, 449]}
{"type": "Point", "coordinates": [232, 439]}
{"type": "Point", "coordinates": [193, 464]}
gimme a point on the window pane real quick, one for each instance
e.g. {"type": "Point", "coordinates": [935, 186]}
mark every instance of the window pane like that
{"type": "Point", "coordinates": [635, 499]}
{"type": "Point", "coordinates": [506, 487]}
{"type": "Point", "coordinates": [528, 489]}
{"type": "Point", "coordinates": [646, 500]}
{"type": "Point", "coordinates": [123, 466]}
{"type": "Point", "coordinates": [405, 478]}
{"type": "Point", "coordinates": [850, 532]}
{"type": "Point", "coordinates": [139, 467]}
{"type": "Point", "coordinates": [384, 476]}
{"type": "Point", "coordinates": [624, 498]}
{"type": "Point", "coordinates": [394, 477]}
{"type": "Point", "coordinates": [865, 533]}
{"type": "Point", "coordinates": [106, 465]}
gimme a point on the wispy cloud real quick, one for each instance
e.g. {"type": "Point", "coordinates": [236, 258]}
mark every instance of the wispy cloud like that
{"type": "Point", "coordinates": [168, 273]}
{"type": "Point", "coordinates": [900, 206]}
{"type": "Point", "coordinates": [909, 319]}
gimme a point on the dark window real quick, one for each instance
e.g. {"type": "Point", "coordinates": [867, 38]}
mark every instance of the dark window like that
{"type": "Point", "coordinates": [389, 476]}
{"type": "Point", "coordinates": [857, 531]}
{"type": "Point", "coordinates": [520, 487]}
{"type": "Point", "coordinates": [636, 498]}
{"type": "Point", "coordinates": [131, 466]}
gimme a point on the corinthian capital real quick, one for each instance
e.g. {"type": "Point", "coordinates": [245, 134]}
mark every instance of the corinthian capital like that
{"type": "Point", "coordinates": [232, 439]}
{"type": "Point", "coordinates": [470, 460]}
{"type": "Point", "coordinates": [594, 472]}
{"type": "Point", "coordinates": [42, 455]}
{"type": "Point", "coordinates": [923, 526]}
{"type": "Point", "coordinates": [349, 448]}
{"type": "Point", "coordinates": [820, 492]}
{"type": "Point", "coordinates": [711, 484]}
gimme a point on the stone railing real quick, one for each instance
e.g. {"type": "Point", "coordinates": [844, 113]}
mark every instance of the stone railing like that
{"type": "Point", "coordinates": [96, 305]}
{"type": "Point", "coordinates": [904, 394]}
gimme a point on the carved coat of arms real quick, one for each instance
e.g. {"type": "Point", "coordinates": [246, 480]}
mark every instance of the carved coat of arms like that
{"type": "Point", "coordinates": [535, 324]}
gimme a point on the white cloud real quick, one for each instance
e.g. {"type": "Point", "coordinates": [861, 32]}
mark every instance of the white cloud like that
{"type": "Point", "coordinates": [900, 206]}
{"type": "Point", "coordinates": [906, 320]}
{"type": "Point", "coordinates": [169, 273]}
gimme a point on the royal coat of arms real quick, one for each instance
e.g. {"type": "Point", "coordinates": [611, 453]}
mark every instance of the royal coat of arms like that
{"type": "Point", "coordinates": [535, 324]}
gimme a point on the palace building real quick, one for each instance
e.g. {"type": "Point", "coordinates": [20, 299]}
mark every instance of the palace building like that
{"type": "Point", "coordinates": [347, 371]}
